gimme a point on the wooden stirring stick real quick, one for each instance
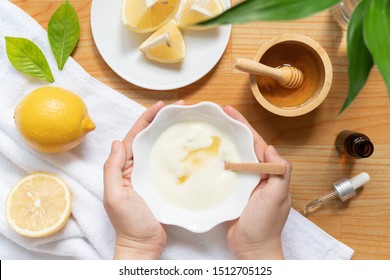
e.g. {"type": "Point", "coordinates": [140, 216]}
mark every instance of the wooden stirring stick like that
{"type": "Point", "coordinates": [267, 168]}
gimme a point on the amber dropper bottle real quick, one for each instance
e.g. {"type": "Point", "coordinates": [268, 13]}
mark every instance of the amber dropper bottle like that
{"type": "Point", "coordinates": [354, 144]}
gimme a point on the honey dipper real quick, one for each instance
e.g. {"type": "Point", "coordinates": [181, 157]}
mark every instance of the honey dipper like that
{"type": "Point", "coordinates": [287, 76]}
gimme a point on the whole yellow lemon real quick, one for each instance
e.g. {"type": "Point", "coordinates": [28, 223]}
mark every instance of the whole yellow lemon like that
{"type": "Point", "coordinates": [52, 119]}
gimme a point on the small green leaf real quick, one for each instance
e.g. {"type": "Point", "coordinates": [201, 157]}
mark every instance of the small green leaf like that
{"type": "Point", "coordinates": [27, 58]}
{"type": "Point", "coordinates": [63, 33]}
{"type": "Point", "coordinates": [360, 59]}
{"type": "Point", "coordinates": [376, 30]}
{"type": "Point", "coordinates": [253, 10]}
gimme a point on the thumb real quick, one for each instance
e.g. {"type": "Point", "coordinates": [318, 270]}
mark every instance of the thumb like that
{"type": "Point", "coordinates": [113, 169]}
{"type": "Point", "coordinates": [278, 183]}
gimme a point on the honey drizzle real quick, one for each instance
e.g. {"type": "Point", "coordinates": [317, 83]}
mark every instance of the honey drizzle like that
{"type": "Point", "coordinates": [200, 157]}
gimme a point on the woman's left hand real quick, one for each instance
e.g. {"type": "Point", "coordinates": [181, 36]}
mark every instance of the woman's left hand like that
{"type": "Point", "coordinates": [138, 233]}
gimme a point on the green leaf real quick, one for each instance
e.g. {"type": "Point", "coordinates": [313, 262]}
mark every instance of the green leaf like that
{"type": "Point", "coordinates": [255, 10]}
{"type": "Point", "coordinates": [376, 30]}
{"type": "Point", "coordinates": [27, 58]}
{"type": "Point", "coordinates": [360, 59]}
{"type": "Point", "coordinates": [63, 33]}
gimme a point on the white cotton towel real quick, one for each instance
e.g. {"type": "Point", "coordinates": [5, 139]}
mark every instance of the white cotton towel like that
{"type": "Point", "coordinates": [89, 234]}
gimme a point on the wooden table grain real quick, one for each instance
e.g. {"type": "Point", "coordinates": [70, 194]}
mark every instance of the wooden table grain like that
{"type": "Point", "coordinates": [363, 223]}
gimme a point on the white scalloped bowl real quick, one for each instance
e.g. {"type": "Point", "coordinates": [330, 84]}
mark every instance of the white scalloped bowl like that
{"type": "Point", "coordinates": [163, 210]}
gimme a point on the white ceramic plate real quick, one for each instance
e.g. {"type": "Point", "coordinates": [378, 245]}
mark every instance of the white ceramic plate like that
{"type": "Point", "coordinates": [166, 212]}
{"type": "Point", "coordinates": [119, 48]}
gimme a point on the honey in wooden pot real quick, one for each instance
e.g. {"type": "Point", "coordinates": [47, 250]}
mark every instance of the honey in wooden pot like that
{"type": "Point", "coordinates": [291, 53]}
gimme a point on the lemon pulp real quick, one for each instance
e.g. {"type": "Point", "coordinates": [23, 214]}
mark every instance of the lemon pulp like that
{"type": "Point", "coordinates": [145, 16]}
{"type": "Point", "coordinates": [194, 11]}
{"type": "Point", "coordinates": [39, 205]}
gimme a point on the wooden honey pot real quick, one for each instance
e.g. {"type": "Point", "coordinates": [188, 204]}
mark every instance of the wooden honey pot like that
{"type": "Point", "coordinates": [306, 55]}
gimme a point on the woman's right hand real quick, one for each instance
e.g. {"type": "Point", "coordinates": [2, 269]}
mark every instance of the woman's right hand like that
{"type": "Point", "coordinates": [257, 233]}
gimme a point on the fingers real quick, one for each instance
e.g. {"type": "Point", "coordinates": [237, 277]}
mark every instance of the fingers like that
{"type": "Point", "coordinates": [259, 142]}
{"type": "Point", "coordinates": [113, 167]}
{"type": "Point", "coordinates": [128, 169]}
{"type": "Point", "coordinates": [180, 102]}
{"type": "Point", "coordinates": [278, 184]}
{"type": "Point", "coordinates": [143, 121]}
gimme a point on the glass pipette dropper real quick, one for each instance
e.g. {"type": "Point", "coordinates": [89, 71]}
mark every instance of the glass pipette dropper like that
{"type": "Point", "coordinates": [344, 189]}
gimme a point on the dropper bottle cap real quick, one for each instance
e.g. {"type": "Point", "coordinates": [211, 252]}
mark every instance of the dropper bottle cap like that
{"type": "Point", "coordinates": [346, 188]}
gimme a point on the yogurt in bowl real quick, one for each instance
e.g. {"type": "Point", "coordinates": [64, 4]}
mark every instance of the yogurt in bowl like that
{"type": "Point", "coordinates": [179, 166]}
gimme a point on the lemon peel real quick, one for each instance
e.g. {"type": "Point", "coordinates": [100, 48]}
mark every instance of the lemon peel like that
{"type": "Point", "coordinates": [52, 119]}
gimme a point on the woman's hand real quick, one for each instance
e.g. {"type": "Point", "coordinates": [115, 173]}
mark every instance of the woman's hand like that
{"type": "Point", "coordinates": [138, 233]}
{"type": "Point", "coordinates": [257, 233]}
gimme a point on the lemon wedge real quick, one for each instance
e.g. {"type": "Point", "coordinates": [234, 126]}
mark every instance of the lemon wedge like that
{"type": "Point", "coordinates": [166, 45]}
{"type": "Point", "coordinates": [194, 11]}
{"type": "Point", "coordinates": [143, 16]}
{"type": "Point", "coordinates": [39, 205]}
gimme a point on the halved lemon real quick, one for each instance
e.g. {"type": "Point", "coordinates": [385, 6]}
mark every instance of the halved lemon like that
{"type": "Point", "coordinates": [145, 16]}
{"type": "Point", "coordinates": [194, 11]}
{"type": "Point", "coordinates": [39, 205]}
{"type": "Point", "coordinates": [166, 45]}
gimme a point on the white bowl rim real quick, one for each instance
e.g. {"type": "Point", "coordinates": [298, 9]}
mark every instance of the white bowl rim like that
{"type": "Point", "coordinates": [207, 225]}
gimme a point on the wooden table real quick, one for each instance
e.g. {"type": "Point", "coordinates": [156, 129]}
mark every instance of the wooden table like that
{"type": "Point", "coordinates": [362, 223]}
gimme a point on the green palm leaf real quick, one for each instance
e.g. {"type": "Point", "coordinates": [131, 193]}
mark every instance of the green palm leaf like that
{"type": "Point", "coordinates": [376, 30]}
{"type": "Point", "coordinates": [253, 10]}
{"type": "Point", "coordinates": [360, 59]}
